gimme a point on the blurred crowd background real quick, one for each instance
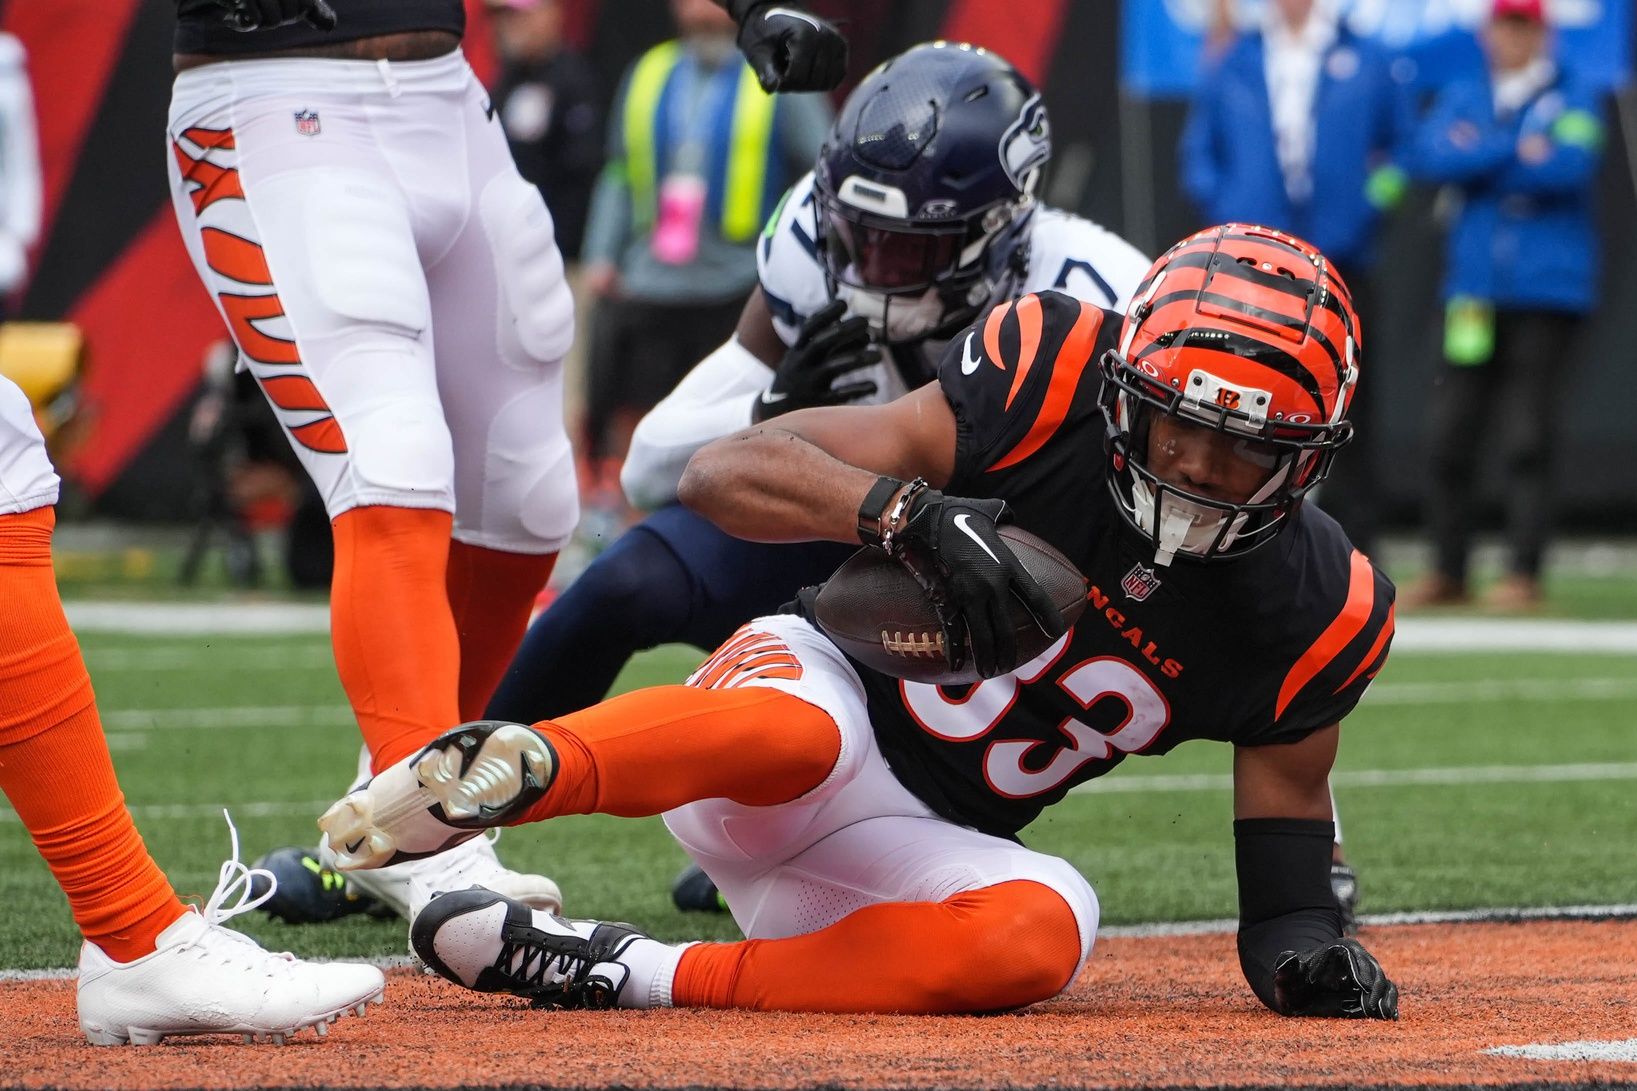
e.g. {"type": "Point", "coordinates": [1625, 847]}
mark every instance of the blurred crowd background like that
{"type": "Point", "coordinates": [1469, 164]}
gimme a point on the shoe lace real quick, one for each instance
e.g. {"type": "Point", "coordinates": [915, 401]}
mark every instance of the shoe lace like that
{"type": "Point", "coordinates": [233, 896]}
{"type": "Point", "coordinates": [559, 971]}
{"type": "Point", "coordinates": [548, 968]}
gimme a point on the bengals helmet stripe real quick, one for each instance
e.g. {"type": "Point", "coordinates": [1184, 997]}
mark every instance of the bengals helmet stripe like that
{"type": "Point", "coordinates": [1237, 344]}
{"type": "Point", "coordinates": [1244, 330]}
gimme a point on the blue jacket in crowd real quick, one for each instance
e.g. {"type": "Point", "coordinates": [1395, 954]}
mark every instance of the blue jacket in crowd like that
{"type": "Point", "coordinates": [1230, 164]}
{"type": "Point", "coordinates": [1524, 237]}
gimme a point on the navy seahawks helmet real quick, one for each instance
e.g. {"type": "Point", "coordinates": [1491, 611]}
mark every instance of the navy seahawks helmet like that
{"type": "Point", "coordinates": [926, 188]}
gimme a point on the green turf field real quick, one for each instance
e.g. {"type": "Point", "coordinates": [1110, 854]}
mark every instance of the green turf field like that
{"type": "Point", "coordinates": [1466, 780]}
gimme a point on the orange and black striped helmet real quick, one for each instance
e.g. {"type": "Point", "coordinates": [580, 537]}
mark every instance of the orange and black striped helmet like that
{"type": "Point", "coordinates": [1247, 331]}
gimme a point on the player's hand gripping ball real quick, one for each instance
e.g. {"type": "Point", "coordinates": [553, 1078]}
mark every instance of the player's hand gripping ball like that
{"type": "Point", "coordinates": [904, 617]}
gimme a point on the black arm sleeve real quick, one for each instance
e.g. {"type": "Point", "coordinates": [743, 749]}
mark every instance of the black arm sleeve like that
{"type": "Point", "coordinates": [1285, 900]}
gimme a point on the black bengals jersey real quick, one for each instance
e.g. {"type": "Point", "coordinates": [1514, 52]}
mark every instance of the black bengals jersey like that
{"type": "Point", "coordinates": [201, 25]}
{"type": "Point", "coordinates": [1265, 648]}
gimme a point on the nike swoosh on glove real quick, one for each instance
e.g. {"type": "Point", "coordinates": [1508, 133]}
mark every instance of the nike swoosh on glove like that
{"type": "Point", "coordinates": [950, 545]}
{"type": "Point", "coordinates": [789, 49]}
{"type": "Point", "coordinates": [1339, 980]}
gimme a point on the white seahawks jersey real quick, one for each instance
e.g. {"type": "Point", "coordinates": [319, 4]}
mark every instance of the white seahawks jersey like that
{"type": "Point", "coordinates": [1068, 253]}
{"type": "Point", "coordinates": [27, 480]}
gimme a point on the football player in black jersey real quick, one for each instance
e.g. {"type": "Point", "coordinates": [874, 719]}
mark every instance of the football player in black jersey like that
{"type": "Point", "coordinates": [862, 828]}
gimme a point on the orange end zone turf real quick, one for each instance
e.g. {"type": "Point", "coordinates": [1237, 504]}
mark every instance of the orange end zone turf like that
{"type": "Point", "coordinates": [1156, 1012]}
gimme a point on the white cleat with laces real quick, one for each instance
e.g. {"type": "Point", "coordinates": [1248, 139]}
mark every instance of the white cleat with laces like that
{"type": "Point", "coordinates": [203, 978]}
{"type": "Point", "coordinates": [406, 888]}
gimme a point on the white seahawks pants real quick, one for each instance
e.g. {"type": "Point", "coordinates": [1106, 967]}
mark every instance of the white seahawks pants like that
{"type": "Point", "coordinates": [391, 281]}
{"type": "Point", "coordinates": [859, 838]}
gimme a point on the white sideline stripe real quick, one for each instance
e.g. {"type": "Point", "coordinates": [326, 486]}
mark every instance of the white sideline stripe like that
{"type": "Point", "coordinates": [1503, 689]}
{"type": "Point", "coordinates": [190, 658]}
{"type": "Point", "coordinates": [201, 618]}
{"type": "Point", "coordinates": [1492, 915]}
{"type": "Point", "coordinates": [1377, 778]}
{"type": "Point", "coordinates": [1221, 926]}
{"type": "Point", "coordinates": [1391, 693]}
{"type": "Point", "coordinates": [1514, 635]}
{"type": "Point", "coordinates": [1197, 782]}
{"type": "Point", "coordinates": [144, 812]}
{"type": "Point", "coordinates": [1624, 1049]}
{"type": "Point", "coordinates": [1415, 634]}
{"type": "Point", "coordinates": [227, 717]}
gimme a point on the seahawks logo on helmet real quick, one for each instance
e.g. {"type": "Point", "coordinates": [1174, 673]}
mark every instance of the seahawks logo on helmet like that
{"type": "Point", "coordinates": [1026, 144]}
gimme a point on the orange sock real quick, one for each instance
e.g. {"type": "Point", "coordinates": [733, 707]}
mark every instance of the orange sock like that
{"type": "Point", "coordinates": [646, 752]}
{"type": "Point", "coordinates": [54, 763]}
{"type": "Point", "coordinates": [991, 949]}
{"type": "Point", "coordinates": [391, 627]}
{"type": "Point", "coordinates": [491, 593]}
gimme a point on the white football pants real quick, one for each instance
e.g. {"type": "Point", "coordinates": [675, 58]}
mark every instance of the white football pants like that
{"type": "Point", "coordinates": [391, 281]}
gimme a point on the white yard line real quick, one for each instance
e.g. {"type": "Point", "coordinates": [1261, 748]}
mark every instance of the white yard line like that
{"type": "Point", "coordinates": [1422, 634]}
{"type": "Point", "coordinates": [150, 812]}
{"type": "Point", "coordinates": [1223, 926]}
{"type": "Point", "coordinates": [1375, 778]}
{"type": "Point", "coordinates": [1495, 914]}
{"type": "Point", "coordinates": [230, 717]}
{"type": "Point", "coordinates": [190, 657]}
{"type": "Point", "coordinates": [1197, 782]}
{"type": "Point", "coordinates": [227, 717]}
{"type": "Point", "coordinates": [1414, 633]}
{"type": "Point", "coordinates": [1624, 1049]}
{"type": "Point", "coordinates": [198, 618]}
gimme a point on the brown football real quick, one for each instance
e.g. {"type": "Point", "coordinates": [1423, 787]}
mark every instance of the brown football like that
{"type": "Point", "coordinates": [876, 612]}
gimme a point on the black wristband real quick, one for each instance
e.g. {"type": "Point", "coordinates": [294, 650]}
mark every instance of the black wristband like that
{"type": "Point", "coordinates": [874, 506]}
{"type": "Point", "coordinates": [1285, 899]}
{"type": "Point", "coordinates": [739, 9]}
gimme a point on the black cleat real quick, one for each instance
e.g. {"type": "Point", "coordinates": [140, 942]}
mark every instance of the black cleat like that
{"type": "Point", "coordinates": [493, 944]}
{"type": "Point", "coordinates": [694, 892]}
{"type": "Point", "coordinates": [306, 891]}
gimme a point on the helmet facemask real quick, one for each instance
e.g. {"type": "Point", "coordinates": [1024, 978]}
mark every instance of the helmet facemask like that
{"type": "Point", "coordinates": [916, 279]}
{"type": "Point", "coordinates": [1286, 459]}
{"type": "Point", "coordinates": [1243, 341]}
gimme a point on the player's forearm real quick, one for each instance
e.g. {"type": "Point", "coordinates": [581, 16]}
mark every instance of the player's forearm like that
{"type": "Point", "coordinates": [1285, 900]}
{"type": "Point", "coordinates": [770, 485]}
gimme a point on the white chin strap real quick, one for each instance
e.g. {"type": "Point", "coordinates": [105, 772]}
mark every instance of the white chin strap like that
{"type": "Point", "coordinates": [905, 318]}
{"type": "Point", "coordinates": [1184, 526]}
{"type": "Point", "coordinates": [1189, 527]}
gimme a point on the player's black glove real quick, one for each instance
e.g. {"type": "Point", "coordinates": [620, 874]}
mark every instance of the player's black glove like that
{"type": "Point", "coordinates": [949, 543]}
{"type": "Point", "coordinates": [267, 14]}
{"type": "Point", "coordinates": [789, 49]}
{"type": "Point", "coordinates": [1338, 979]}
{"type": "Point", "coordinates": [828, 349]}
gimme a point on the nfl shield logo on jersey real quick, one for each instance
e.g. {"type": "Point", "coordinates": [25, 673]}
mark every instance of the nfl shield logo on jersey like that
{"type": "Point", "coordinates": [1140, 582]}
{"type": "Point", "coordinates": [307, 122]}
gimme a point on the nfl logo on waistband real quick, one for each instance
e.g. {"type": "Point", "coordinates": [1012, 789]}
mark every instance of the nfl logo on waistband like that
{"type": "Point", "coordinates": [1140, 582]}
{"type": "Point", "coordinates": [307, 122]}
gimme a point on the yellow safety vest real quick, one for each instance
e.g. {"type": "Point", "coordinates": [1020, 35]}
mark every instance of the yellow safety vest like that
{"type": "Point", "coordinates": [749, 145]}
